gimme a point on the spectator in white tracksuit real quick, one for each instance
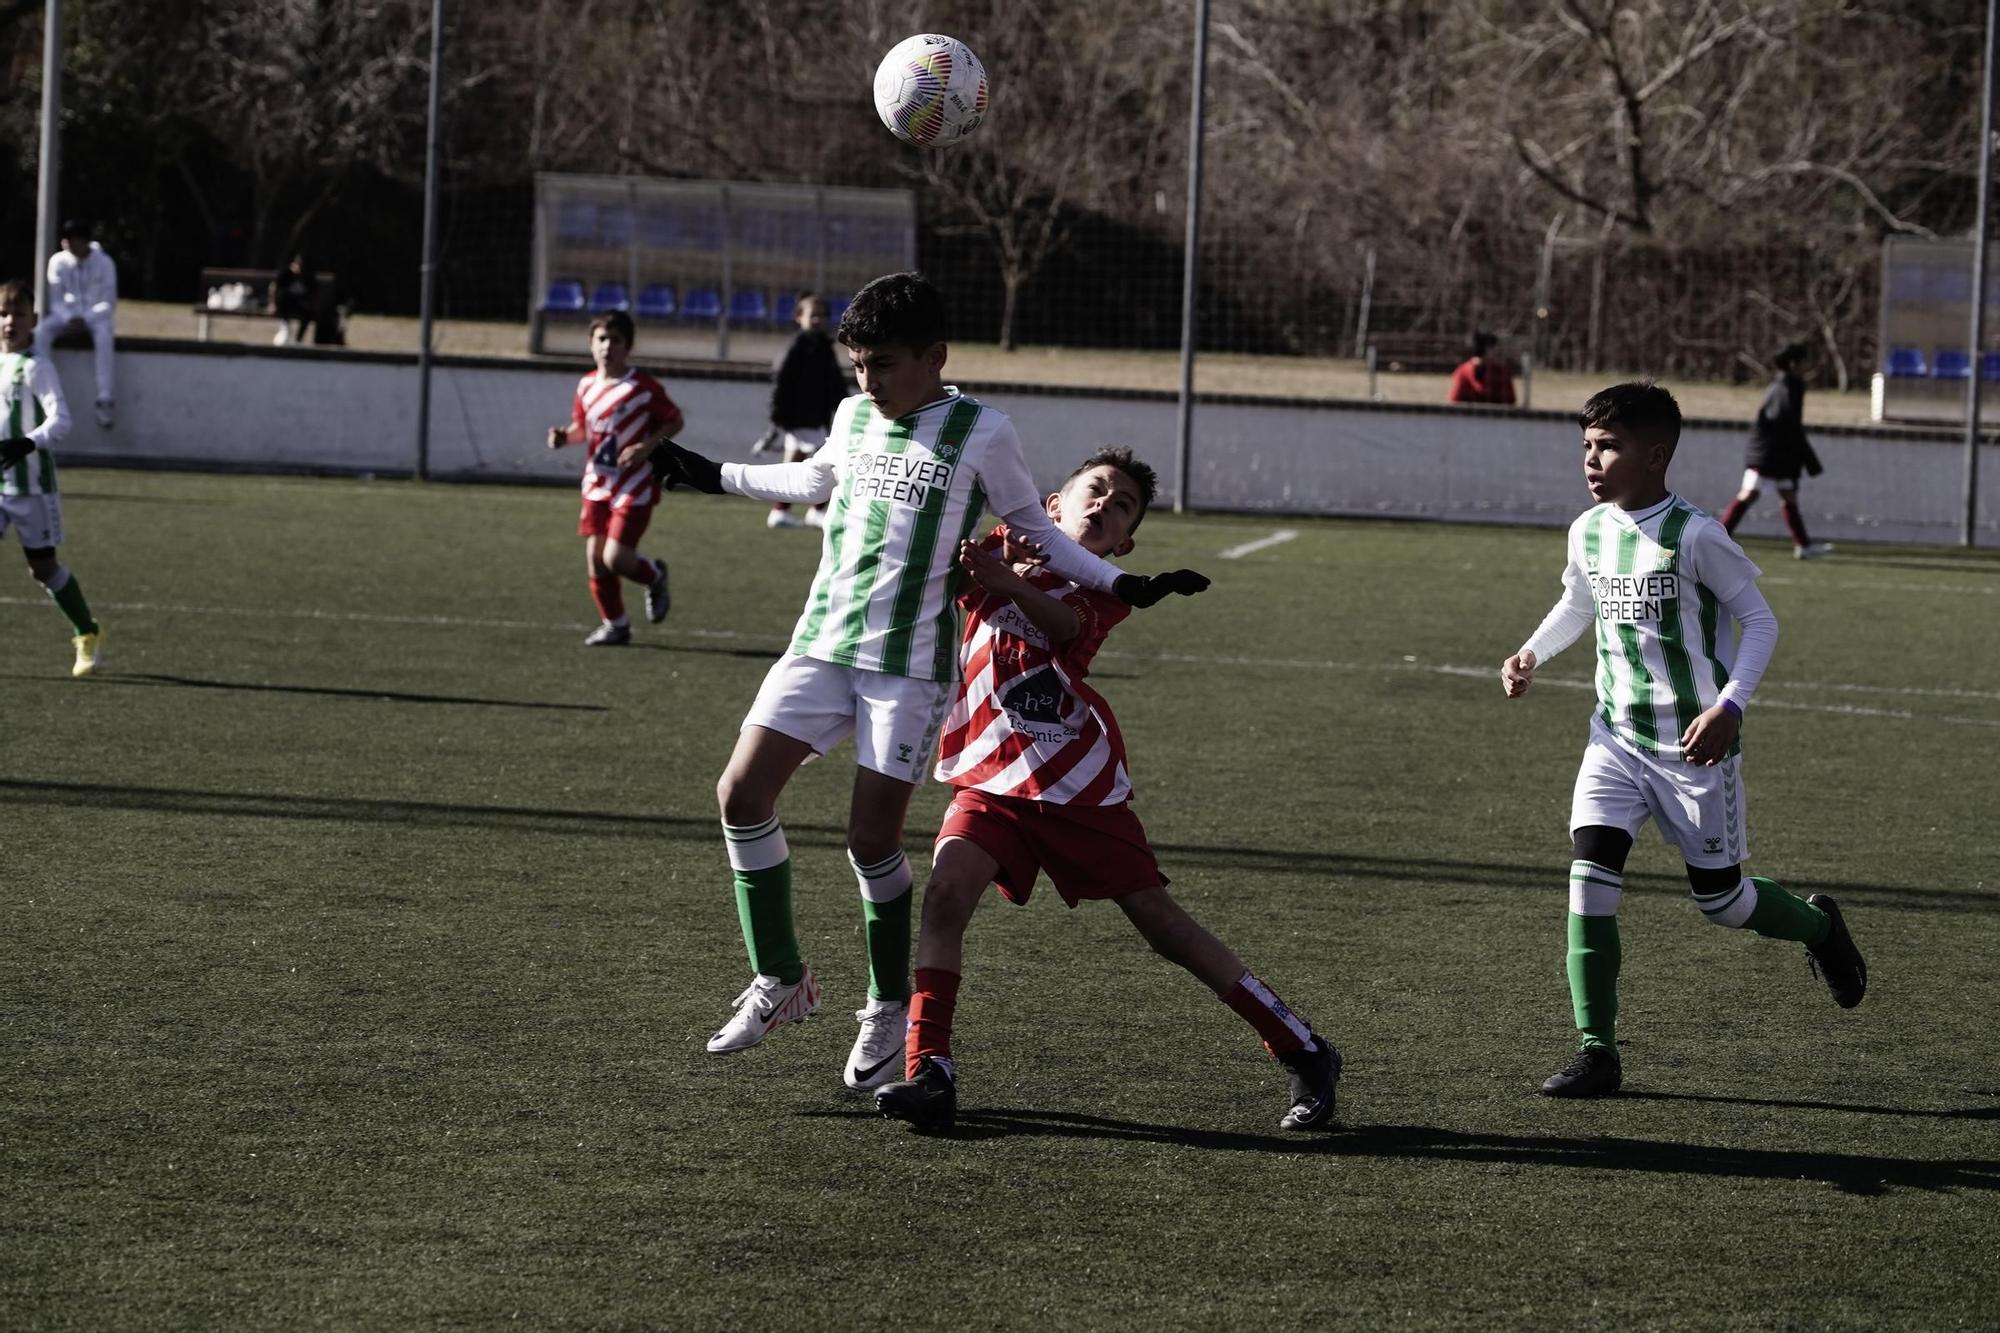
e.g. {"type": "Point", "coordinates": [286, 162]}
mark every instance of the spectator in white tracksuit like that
{"type": "Point", "coordinates": [83, 296]}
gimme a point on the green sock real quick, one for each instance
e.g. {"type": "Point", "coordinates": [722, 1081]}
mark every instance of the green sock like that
{"type": "Point", "coordinates": [764, 906]}
{"type": "Point", "coordinates": [1593, 977]}
{"type": "Point", "coordinates": [69, 600]}
{"type": "Point", "coordinates": [1782, 915]}
{"type": "Point", "coordinates": [888, 930]}
{"type": "Point", "coordinates": [764, 897]}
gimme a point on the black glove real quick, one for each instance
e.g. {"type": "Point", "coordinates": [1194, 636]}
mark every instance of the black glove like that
{"type": "Point", "coordinates": [675, 466]}
{"type": "Point", "coordinates": [1140, 591]}
{"type": "Point", "coordinates": [16, 449]}
{"type": "Point", "coordinates": [1812, 463]}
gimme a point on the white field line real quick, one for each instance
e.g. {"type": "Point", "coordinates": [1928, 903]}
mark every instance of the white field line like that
{"type": "Point", "coordinates": [1870, 585]}
{"type": "Point", "coordinates": [1278, 538]}
{"type": "Point", "coordinates": [1407, 664]}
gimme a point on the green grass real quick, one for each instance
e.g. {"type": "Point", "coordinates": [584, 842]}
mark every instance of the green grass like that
{"type": "Point", "coordinates": [362, 931]}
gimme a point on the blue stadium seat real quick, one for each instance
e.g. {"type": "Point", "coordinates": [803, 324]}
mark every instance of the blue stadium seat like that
{"type": "Point", "coordinates": [748, 306]}
{"type": "Point", "coordinates": [702, 303]}
{"type": "Point", "coordinates": [656, 301]}
{"type": "Point", "coordinates": [1951, 364]}
{"type": "Point", "coordinates": [1906, 363]}
{"type": "Point", "coordinates": [1989, 367]}
{"type": "Point", "coordinates": [836, 306]}
{"type": "Point", "coordinates": [564, 296]}
{"type": "Point", "coordinates": [609, 296]}
{"type": "Point", "coordinates": [787, 306]}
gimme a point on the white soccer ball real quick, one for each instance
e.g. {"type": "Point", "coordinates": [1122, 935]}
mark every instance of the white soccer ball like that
{"type": "Point", "coordinates": [930, 90]}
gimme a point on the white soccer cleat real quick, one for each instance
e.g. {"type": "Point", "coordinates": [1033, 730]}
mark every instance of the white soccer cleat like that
{"type": "Point", "coordinates": [877, 1057]}
{"type": "Point", "coordinates": [1813, 550]}
{"type": "Point", "coordinates": [815, 518]}
{"type": "Point", "coordinates": [781, 518]}
{"type": "Point", "coordinates": [765, 1005]}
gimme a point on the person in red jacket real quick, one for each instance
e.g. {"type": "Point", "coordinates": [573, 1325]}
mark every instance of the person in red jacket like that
{"type": "Point", "coordinates": [1483, 377]}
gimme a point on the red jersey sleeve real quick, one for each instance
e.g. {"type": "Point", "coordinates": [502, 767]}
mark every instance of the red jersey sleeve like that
{"type": "Point", "coordinates": [579, 425]}
{"type": "Point", "coordinates": [1097, 614]}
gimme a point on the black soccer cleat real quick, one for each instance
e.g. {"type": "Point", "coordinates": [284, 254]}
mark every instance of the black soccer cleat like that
{"type": "Point", "coordinates": [1835, 960]}
{"type": "Point", "coordinates": [1312, 1075]}
{"type": "Point", "coordinates": [928, 1101]}
{"type": "Point", "coordinates": [1594, 1071]}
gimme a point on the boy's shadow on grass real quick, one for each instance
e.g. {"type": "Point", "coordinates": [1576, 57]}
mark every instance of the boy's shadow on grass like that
{"type": "Point", "coordinates": [337, 692]}
{"type": "Point", "coordinates": [1852, 1173]}
{"type": "Point", "coordinates": [765, 655]}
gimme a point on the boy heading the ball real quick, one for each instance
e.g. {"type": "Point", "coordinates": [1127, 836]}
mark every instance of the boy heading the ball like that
{"type": "Point", "coordinates": [1661, 582]}
{"type": "Point", "coordinates": [909, 465]}
{"type": "Point", "coordinates": [1042, 784]}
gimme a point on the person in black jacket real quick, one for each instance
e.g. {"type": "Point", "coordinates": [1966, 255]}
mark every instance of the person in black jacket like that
{"type": "Point", "coordinates": [808, 387]}
{"type": "Point", "coordinates": [1779, 451]}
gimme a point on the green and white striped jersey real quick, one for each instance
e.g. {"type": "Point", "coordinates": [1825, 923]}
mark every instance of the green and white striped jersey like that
{"type": "Point", "coordinates": [907, 491]}
{"type": "Point", "coordinates": [1658, 580]}
{"type": "Point", "coordinates": [31, 404]}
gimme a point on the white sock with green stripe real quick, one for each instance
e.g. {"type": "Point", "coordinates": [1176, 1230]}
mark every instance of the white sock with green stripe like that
{"type": "Point", "coordinates": [885, 913]}
{"type": "Point", "coordinates": [1731, 907]}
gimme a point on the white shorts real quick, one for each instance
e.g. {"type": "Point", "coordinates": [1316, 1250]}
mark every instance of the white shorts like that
{"type": "Point", "coordinates": [36, 519]}
{"type": "Point", "coordinates": [894, 719]}
{"type": "Point", "coordinates": [1702, 811]}
{"type": "Point", "coordinates": [1753, 479]}
{"type": "Point", "coordinates": [804, 441]}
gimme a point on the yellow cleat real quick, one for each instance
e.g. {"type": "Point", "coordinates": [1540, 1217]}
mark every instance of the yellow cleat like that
{"type": "Point", "coordinates": [88, 649]}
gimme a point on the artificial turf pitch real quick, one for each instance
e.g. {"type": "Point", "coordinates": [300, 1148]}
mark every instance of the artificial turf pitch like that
{"type": "Point", "coordinates": [363, 929]}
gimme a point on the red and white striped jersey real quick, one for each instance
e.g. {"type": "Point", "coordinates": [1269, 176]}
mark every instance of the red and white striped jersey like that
{"type": "Point", "coordinates": [1023, 722]}
{"type": "Point", "coordinates": [611, 414]}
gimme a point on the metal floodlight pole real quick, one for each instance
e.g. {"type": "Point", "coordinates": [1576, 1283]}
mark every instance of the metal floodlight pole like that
{"type": "Point", "coordinates": [1191, 262]}
{"type": "Point", "coordinates": [1977, 340]}
{"type": "Point", "coordinates": [429, 273]}
{"type": "Point", "coordinates": [51, 155]}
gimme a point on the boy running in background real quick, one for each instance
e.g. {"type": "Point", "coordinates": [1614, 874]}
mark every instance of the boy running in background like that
{"type": "Point", "coordinates": [32, 417]}
{"type": "Point", "coordinates": [1779, 451]}
{"type": "Point", "coordinates": [618, 412]}
{"type": "Point", "coordinates": [909, 466]}
{"type": "Point", "coordinates": [1661, 581]}
{"type": "Point", "coordinates": [1042, 786]}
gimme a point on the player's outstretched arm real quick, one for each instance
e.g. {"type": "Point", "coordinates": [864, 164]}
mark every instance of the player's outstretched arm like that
{"type": "Point", "coordinates": [676, 466]}
{"type": "Point", "coordinates": [1144, 590]}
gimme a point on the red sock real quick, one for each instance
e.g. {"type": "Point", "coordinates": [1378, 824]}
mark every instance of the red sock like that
{"type": "Point", "coordinates": [1734, 514]}
{"type": "Point", "coordinates": [1258, 1005]}
{"type": "Point", "coordinates": [932, 1001]}
{"type": "Point", "coordinates": [652, 569]}
{"type": "Point", "coordinates": [1793, 523]}
{"type": "Point", "coordinates": [610, 598]}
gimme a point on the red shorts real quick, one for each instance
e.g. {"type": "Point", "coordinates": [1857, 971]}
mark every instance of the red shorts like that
{"type": "Point", "coordinates": [1088, 851]}
{"type": "Point", "coordinates": [624, 526]}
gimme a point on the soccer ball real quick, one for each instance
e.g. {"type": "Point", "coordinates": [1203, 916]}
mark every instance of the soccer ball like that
{"type": "Point", "coordinates": [930, 90]}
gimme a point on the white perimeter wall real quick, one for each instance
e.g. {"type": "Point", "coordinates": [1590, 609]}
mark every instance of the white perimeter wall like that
{"type": "Point", "coordinates": [197, 405]}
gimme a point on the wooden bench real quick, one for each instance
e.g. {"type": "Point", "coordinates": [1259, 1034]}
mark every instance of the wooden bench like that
{"type": "Point", "coordinates": [1416, 353]}
{"type": "Point", "coordinates": [256, 304]}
